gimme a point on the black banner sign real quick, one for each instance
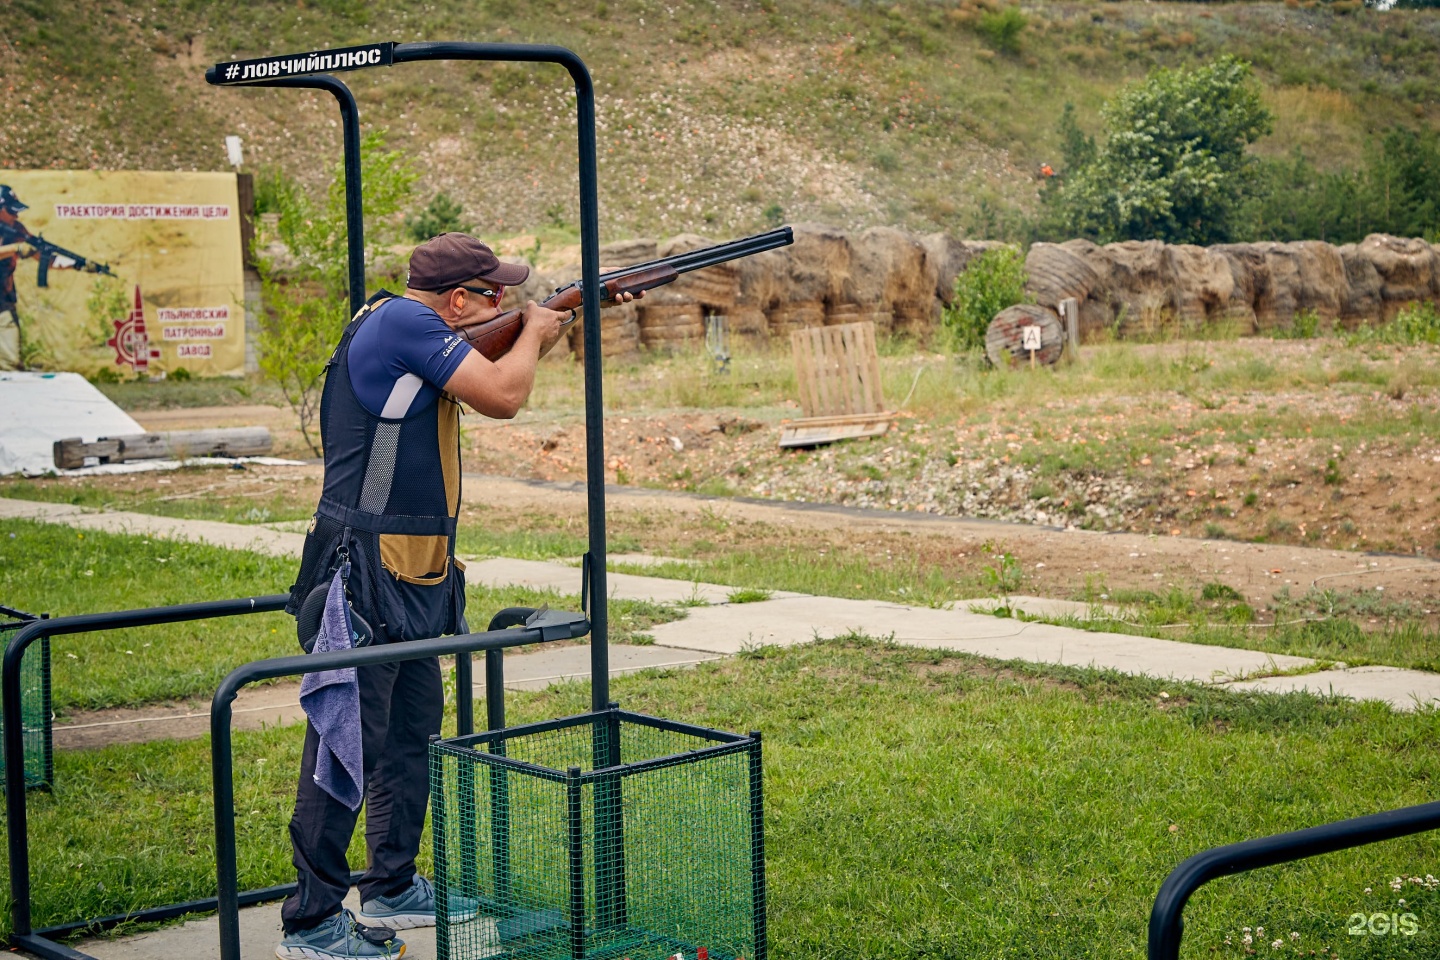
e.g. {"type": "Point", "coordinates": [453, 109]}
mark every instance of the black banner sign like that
{"type": "Point", "coordinates": [298, 64]}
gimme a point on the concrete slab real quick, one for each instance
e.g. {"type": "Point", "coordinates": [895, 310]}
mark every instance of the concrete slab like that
{"type": "Point", "coordinates": [259, 934]}
{"type": "Point", "coordinates": [279, 704]}
{"type": "Point", "coordinates": [646, 560]}
{"type": "Point", "coordinates": [237, 536]}
{"type": "Point", "coordinates": [1401, 689]}
{"type": "Point", "coordinates": [790, 621]}
{"type": "Point", "coordinates": [1038, 607]}
{"type": "Point", "coordinates": [538, 670]}
{"type": "Point", "coordinates": [563, 578]}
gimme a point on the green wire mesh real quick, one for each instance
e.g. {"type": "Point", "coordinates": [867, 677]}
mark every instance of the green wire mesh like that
{"type": "Point", "coordinates": [35, 708]}
{"type": "Point", "coordinates": [601, 836]}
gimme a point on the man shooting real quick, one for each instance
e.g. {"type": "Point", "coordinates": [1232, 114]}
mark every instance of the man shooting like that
{"type": "Point", "coordinates": [390, 425]}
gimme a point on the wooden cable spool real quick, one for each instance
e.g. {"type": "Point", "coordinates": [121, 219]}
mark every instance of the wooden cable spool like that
{"type": "Point", "coordinates": [1005, 338]}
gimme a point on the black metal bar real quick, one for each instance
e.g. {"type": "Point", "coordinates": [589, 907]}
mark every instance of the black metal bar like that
{"type": "Point", "coordinates": [171, 911]}
{"type": "Point", "coordinates": [354, 197]}
{"type": "Point", "coordinates": [757, 846]}
{"type": "Point", "coordinates": [500, 775]}
{"type": "Point", "coordinates": [674, 760]}
{"type": "Point", "coordinates": [589, 277]}
{"type": "Point", "coordinates": [609, 823]}
{"type": "Point", "coordinates": [221, 752]}
{"type": "Point", "coordinates": [16, 814]}
{"type": "Point", "coordinates": [47, 705]}
{"type": "Point", "coordinates": [576, 836]}
{"type": "Point", "coordinates": [439, 818]}
{"type": "Point", "coordinates": [676, 726]}
{"type": "Point", "coordinates": [46, 949]}
{"type": "Point", "coordinates": [464, 694]}
{"type": "Point", "coordinates": [1166, 921]}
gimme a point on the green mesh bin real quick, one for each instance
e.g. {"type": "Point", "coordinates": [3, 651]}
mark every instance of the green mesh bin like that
{"type": "Point", "coordinates": [606, 835]}
{"type": "Point", "coordinates": [37, 718]}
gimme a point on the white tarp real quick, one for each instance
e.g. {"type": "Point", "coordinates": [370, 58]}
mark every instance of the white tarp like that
{"type": "Point", "coordinates": [36, 409]}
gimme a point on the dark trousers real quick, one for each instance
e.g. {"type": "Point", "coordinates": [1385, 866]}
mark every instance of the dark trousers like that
{"type": "Point", "coordinates": [400, 708]}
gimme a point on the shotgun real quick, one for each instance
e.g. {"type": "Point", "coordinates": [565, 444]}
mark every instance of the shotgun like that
{"type": "Point", "coordinates": [496, 336]}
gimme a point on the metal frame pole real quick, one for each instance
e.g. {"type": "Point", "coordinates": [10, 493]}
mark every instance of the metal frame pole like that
{"type": "Point", "coordinates": [222, 753]}
{"type": "Point", "coordinates": [17, 820]}
{"type": "Point", "coordinates": [1166, 922]}
{"type": "Point", "coordinates": [354, 196]}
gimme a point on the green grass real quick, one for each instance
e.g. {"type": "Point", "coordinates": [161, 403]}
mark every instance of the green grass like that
{"type": "Point", "coordinates": [215, 504]}
{"type": "Point", "coordinates": [918, 804]}
{"type": "Point", "coordinates": [54, 569]}
{"type": "Point", "coordinates": [1323, 625]}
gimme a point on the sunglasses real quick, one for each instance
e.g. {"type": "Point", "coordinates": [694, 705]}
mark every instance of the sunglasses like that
{"type": "Point", "coordinates": [494, 295]}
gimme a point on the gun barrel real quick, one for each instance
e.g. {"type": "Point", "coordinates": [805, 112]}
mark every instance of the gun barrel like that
{"type": "Point", "coordinates": [710, 256]}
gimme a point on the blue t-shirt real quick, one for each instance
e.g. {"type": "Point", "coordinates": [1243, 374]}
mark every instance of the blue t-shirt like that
{"type": "Point", "coordinates": [401, 357]}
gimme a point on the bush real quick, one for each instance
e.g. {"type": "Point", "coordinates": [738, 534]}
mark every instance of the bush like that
{"type": "Point", "coordinates": [443, 215]}
{"type": "Point", "coordinates": [992, 281]}
{"type": "Point", "coordinates": [1417, 323]}
{"type": "Point", "coordinates": [1002, 28]}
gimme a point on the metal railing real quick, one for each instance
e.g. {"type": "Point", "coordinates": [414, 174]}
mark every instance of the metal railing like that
{"type": "Point", "coordinates": [1166, 922]}
{"type": "Point", "coordinates": [553, 626]}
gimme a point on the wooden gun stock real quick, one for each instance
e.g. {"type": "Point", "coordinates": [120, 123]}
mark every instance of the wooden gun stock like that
{"type": "Point", "coordinates": [496, 336]}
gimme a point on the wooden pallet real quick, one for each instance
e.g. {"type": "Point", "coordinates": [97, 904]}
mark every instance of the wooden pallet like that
{"type": "Point", "coordinates": [838, 371]}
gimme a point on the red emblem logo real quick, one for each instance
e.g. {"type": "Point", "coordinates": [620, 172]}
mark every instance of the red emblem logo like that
{"type": "Point", "coordinates": [131, 342]}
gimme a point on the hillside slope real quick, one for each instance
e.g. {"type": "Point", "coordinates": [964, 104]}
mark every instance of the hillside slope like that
{"type": "Point", "coordinates": [716, 117]}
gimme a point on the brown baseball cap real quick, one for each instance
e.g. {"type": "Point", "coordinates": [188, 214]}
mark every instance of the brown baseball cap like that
{"type": "Point", "coordinates": [446, 261]}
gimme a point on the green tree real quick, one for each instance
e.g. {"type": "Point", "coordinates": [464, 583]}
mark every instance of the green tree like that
{"type": "Point", "coordinates": [1173, 165]}
{"type": "Point", "coordinates": [988, 284]}
{"type": "Point", "coordinates": [307, 301]}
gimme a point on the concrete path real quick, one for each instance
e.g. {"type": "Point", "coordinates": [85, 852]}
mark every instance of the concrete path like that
{"type": "Point", "coordinates": [716, 627]}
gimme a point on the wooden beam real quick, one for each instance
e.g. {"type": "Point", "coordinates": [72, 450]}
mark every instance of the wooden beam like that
{"type": "Point", "coordinates": [221, 442]}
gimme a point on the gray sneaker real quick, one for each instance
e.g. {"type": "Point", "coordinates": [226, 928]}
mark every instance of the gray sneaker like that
{"type": "Point", "coordinates": [341, 938]}
{"type": "Point", "coordinates": [415, 907]}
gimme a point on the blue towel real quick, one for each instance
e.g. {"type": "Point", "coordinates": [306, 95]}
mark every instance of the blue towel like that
{"type": "Point", "coordinates": [331, 699]}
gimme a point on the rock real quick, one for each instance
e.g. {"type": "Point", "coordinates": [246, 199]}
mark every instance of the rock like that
{"type": "Point", "coordinates": [1362, 281]}
{"type": "Point", "coordinates": [950, 256]}
{"type": "Point", "coordinates": [1407, 269]}
{"type": "Point", "coordinates": [1202, 282]}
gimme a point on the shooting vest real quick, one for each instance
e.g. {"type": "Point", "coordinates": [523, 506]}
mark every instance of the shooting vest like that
{"type": "Point", "coordinates": [388, 505]}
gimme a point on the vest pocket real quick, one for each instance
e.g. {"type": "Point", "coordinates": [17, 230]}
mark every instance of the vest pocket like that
{"type": "Point", "coordinates": [421, 560]}
{"type": "Point", "coordinates": [416, 585]}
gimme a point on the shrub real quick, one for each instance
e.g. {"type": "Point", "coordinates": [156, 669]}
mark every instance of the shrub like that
{"type": "Point", "coordinates": [992, 281]}
{"type": "Point", "coordinates": [443, 215]}
{"type": "Point", "coordinates": [1002, 28]}
{"type": "Point", "coordinates": [1417, 323]}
